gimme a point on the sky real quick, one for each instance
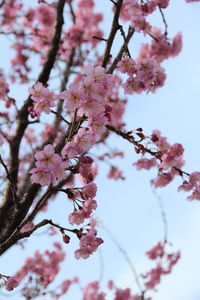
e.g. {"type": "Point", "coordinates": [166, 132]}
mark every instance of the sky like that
{"type": "Point", "coordinates": [130, 208]}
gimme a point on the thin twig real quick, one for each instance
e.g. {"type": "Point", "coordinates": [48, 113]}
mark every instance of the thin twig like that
{"type": "Point", "coordinates": [163, 214]}
{"type": "Point", "coordinates": [122, 50]}
{"type": "Point", "coordinates": [125, 41]}
{"type": "Point", "coordinates": [41, 224]}
{"type": "Point", "coordinates": [130, 138]}
{"type": "Point", "coordinates": [72, 12]}
{"type": "Point", "coordinates": [60, 116]}
{"type": "Point", "coordinates": [113, 2]}
{"type": "Point", "coordinates": [153, 37]}
{"type": "Point", "coordinates": [164, 21]}
{"type": "Point", "coordinates": [99, 38]}
{"type": "Point", "coordinates": [123, 252]}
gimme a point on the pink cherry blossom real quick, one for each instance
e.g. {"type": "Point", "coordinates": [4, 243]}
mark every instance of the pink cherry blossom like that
{"type": "Point", "coordinates": [145, 163]}
{"type": "Point", "coordinates": [72, 96]}
{"type": "Point", "coordinates": [11, 283]}
{"type": "Point", "coordinates": [88, 244]}
{"type": "Point", "coordinates": [89, 190]}
{"type": "Point", "coordinates": [77, 217]}
{"type": "Point", "coordinates": [49, 167]}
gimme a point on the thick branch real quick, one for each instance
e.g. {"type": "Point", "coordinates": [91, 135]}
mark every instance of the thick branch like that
{"type": "Point", "coordinates": [43, 77]}
{"type": "Point", "coordinates": [2, 3]}
{"type": "Point", "coordinates": [9, 217]}
{"type": "Point", "coordinates": [15, 198]}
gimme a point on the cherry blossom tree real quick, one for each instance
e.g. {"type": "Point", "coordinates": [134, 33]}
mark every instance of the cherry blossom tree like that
{"type": "Point", "coordinates": [76, 88]}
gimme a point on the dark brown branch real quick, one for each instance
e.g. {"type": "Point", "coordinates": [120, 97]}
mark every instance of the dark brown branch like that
{"type": "Point", "coordinates": [43, 77]}
{"type": "Point", "coordinates": [122, 50]}
{"type": "Point", "coordinates": [113, 2]}
{"type": "Point", "coordinates": [37, 208]}
{"type": "Point", "coordinates": [99, 38]}
{"type": "Point", "coordinates": [15, 198]}
{"type": "Point", "coordinates": [9, 218]}
{"type": "Point", "coordinates": [41, 224]}
{"type": "Point", "coordinates": [21, 235]}
{"type": "Point", "coordinates": [41, 202]}
{"type": "Point", "coordinates": [14, 238]}
{"type": "Point", "coordinates": [125, 42]}
{"type": "Point", "coordinates": [2, 3]}
{"type": "Point", "coordinates": [153, 37]}
{"type": "Point", "coordinates": [114, 29]}
{"type": "Point", "coordinates": [59, 116]}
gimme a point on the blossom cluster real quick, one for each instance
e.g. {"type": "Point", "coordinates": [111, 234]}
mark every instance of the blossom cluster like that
{"type": "Point", "coordinates": [43, 267]}
{"type": "Point", "coordinates": [90, 96]}
{"type": "Point", "coordinates": [91, 291]}
{"type": "Point", "coordinates": [11, 10]}
{"type": "Point", "coordinates": [144, 75]}
{"type": "Point", "coordinates": [88, 244]}
{"type": "Point", "coordinates": [42, 98]}
{"type": "Point", "coordinates": [136, 13]}
{"type": "Point", "coordinates": [40, 20]}
{"type": "Point", "coordinates": [49, 167]}
{"type": "Point", "coordinates": [160, 47]}
{"type": "Point", "coordinates": [90, 93]}
{"type": "Point", "coordinates": [192, 184]}
{"type": "Point", "coordinates": [91, 101]}
{"type": "Point", "coordinates": [10, 282]}
{"type": "Point", "coordinates": [85, 27]}
{"type": "Point", "coordinates": [168, 160]}
{"type": "Point", "coordinates": [124, 294]}
{"type": "Point", "coordinates": [86, 206]}
{"type": "Point", "coordinates": [164, 264]}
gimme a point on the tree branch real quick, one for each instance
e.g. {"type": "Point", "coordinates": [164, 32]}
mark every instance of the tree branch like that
{"type": "Point", "coordinates": [9, 218]}
{"type": "Point", "coordinates": [122, 50]}
{"type": "Point", "coordinates": [164, 21]}
{"type": "Point", "coordinates": [15, 198]}
{"type": "Point", "coordinates": [21, 235]}
{"type": "Point", "coordinates": [131, 139]}
{"type": "Point", "coordinates": [2, 3]}
{"type": "Point", "coordinates": [114, 29]}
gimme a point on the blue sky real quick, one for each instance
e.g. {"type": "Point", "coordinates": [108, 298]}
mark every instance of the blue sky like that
{"type": "Point", "coordinates": [129, 208]}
